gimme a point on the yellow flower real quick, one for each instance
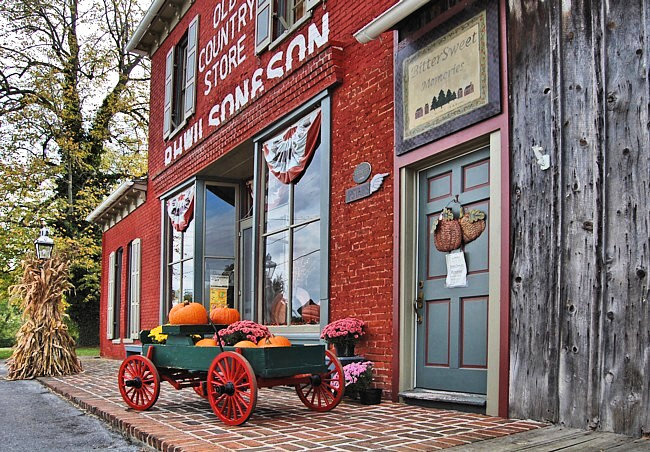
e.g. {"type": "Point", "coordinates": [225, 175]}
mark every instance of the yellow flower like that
{"type": "Point", "coordinates": [157, 336]}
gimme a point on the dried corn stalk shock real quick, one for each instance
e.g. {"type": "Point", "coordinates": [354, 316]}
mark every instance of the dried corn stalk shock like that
{"type": "Point", "coordinates": [44, 346]}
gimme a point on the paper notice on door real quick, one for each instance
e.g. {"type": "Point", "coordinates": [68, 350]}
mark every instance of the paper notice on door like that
{"type": "Point", "coordinates": [456, 270]}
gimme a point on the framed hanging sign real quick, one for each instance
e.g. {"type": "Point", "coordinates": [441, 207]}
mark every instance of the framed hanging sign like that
{"type": "Point", "coordinates": [449, 78]}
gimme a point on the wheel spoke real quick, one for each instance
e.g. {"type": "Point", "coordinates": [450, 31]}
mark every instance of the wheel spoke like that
{"type": "Point", "coordinates": [239, 375]}
{"type": "Point", "coordinates": [243, 386]}
{"type": "Point", "coordinates": [223, 373]}
{"type": "Point", "coordinates": [219, 377]}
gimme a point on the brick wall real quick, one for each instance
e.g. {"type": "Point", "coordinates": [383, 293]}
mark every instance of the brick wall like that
{"type": "Point", "coordinates": [143, 223]}
{"type": "Point", "coordinates": [361, 79]}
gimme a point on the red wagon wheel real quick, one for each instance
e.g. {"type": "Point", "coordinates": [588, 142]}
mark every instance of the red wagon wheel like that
{"type": "Point", "coordinates": [324, 391]}
{"type": "Point", "coordinates": [232, 388]}
{"type": "Point", "coordinates": [139, 382]}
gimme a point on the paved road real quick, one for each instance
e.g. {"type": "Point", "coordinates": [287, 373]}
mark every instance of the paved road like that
{"type": "Point", "coordinates": [33, 418]}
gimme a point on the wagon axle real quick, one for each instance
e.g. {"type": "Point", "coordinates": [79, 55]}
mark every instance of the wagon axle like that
{"type": "Point", "coordinates": [228, 389]}
{"type": "Point", "coordinates": [135, 383]}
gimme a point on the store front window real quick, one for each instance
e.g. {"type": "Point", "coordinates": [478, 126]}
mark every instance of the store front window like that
{"type": "Point", "coordinates": [180, 229]}
{"type": "Point", "coordinates": [181, 265]}
{"type": "Point", "coordinates": [292, 233]}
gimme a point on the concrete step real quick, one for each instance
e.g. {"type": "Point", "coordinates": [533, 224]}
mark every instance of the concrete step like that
{"type": "Point", "coordinates": [461, 401]}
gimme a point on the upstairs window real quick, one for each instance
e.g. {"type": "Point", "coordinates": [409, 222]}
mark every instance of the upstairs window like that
{"type": "Point", "coordinates": [180, 81]}
{"type": "Point", "coordinates": [277, 18]}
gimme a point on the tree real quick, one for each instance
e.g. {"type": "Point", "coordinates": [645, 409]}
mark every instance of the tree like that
{"type": "Point", "coordinates": [442, 98]}
{"type": "Point", "coordinates": [73, 117]}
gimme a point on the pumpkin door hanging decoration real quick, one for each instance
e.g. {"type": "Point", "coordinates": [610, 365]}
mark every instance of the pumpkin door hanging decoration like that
{"type": "Point", "coordinates": [450, 233]}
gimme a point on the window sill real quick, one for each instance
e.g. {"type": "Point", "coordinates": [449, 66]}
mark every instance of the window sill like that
{"type": "Point", "coordinates": [116, 341]}
{"type": "Point", "coordinates": [174, 132]}
{"type": "Point", "coordinates": [315, 329]}
{"type": "Point", "coordinates": [288, 32]}
{"type": "Point", "coordinates": [127, 341]}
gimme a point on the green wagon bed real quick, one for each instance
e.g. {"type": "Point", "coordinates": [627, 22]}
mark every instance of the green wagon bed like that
{"type": "Point", "coordinates": [228, 377]}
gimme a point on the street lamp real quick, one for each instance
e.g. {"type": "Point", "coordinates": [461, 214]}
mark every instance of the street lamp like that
{"type": "Point", "coordinates": [44, 244]}
{"type": "Point", "coordinates": [269, 267]}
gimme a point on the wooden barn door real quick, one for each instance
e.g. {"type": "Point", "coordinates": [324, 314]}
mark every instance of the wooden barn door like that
{"type": "Point", "coordinates": [452, 328]}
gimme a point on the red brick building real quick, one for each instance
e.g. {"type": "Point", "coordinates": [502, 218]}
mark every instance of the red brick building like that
{"type": "Point", "coordinates": [309, 159]}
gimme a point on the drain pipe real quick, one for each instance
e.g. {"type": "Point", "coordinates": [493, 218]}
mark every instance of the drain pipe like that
{"type": "Point", "coordinates": [387, 19]}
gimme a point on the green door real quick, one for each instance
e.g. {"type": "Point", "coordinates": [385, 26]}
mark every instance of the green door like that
{"type": "Point", "coordinates": [452, 328]}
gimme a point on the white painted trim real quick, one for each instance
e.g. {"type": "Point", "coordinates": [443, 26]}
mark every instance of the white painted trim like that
{"type": "Point", "coordinates": [388, 19]}
{"type": "Point", "coordinates": [494, 306]}
{"type": "Point", "coordinates": [127, 197]}
{"type": "Point", "coordinates": [143, 26]}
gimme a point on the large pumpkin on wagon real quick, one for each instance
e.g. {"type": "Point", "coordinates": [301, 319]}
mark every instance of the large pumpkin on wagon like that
{"type": "Point", "coordinates": [188, 313]}
{"type": "Point", "coordinates": [224, 316]}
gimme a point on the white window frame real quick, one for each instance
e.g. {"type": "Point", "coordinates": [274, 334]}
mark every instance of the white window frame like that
{"type": "Point", "coordinates": [110, 301]}
{"type": "Point", "coordinates": [265, 17]}
{"type": "Point", "coordinates": [135, 288]}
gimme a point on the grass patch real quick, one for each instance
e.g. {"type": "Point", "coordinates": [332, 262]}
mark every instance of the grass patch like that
{"type": "Point", "coordinates": [88, 351]}
{"type": "Point", "coordinates": [5, 352]}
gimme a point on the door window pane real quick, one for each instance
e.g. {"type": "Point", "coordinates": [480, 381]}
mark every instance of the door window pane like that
{"type": "Point", "coordinates": [306, 273]}
{"type": "Point", "coordinates": [219, 221]}
{"type": "Point", "coordinates": [306, 193]}
{"type": "Point", "coordinates": [247, 274]}
{"type": "Point", "coordinates": [276, 278]}
{"type": "Point", "coordinates": [219, 282]}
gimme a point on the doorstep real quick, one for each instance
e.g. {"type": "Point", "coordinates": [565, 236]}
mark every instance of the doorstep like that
{"type": "Point", "coordinates": [461, 401]}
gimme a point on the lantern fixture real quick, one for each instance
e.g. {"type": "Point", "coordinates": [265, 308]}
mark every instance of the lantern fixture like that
{"type": "Point", "coordinates": [44, 244]}
{"type": "Point", "coordinates": [269, 266]}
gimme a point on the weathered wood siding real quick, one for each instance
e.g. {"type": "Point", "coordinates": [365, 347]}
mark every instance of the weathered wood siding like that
{"type": "Point", "coordinates": [580, 316]}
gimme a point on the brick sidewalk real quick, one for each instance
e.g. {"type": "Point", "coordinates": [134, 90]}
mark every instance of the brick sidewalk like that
{"type": "Point", "coordinates": [181, 420]}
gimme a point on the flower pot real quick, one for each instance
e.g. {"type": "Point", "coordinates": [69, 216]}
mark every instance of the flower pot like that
{"type": "Point", "coordinates": [371, 396]}
{"type": "Point", "coordinates": [345, 349]}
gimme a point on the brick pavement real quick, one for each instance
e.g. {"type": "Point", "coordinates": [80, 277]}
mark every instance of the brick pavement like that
{"type": "Point", "coordinates": [181, 420]}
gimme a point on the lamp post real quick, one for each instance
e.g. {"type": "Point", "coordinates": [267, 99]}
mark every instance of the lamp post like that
{"type": "Point", "coordinates": [269, 266]}
{"type": "Point", "coordinates": [44, 244]}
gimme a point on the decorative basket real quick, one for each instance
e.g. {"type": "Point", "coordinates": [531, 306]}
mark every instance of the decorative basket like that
{"type": "Point", "coordinates": [447, 234]}
{"type": "Point", "coordinates": [472, 224]}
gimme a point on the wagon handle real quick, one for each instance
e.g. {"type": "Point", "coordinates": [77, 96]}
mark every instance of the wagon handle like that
{"type": "Point", "coordinates": [216, 332]}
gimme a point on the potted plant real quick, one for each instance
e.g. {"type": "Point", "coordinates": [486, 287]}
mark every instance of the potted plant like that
{"type": "Point", "coordinates": [243, 330]}
{"type": "Point", "coordinates": [344, 334]}
{"type": "Point", "coordinates": [358, 378]}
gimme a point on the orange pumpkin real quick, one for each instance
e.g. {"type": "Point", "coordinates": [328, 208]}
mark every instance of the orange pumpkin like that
{"type": "Point", "coordinates": [206, 343]}
{"type": "Point", "coordinates": [187, 313]}
{"type": "Point", "coordinates": [245, 344]}
{"type": "Point", "coordinates": [311, 313]}
{"type": "Point", "coordinates": [224, 316]}
{"type": "Point", "coordinates": [277, 341]}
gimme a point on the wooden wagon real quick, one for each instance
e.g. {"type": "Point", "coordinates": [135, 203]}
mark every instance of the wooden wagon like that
{"type": "Point", "coordinates": [229, 377]}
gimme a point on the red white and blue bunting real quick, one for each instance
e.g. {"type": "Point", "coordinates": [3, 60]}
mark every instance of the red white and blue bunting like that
{"type": "Point", "coordinates": [288, 153]}
{"type": "Point", "coordinates": [180, 209]}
